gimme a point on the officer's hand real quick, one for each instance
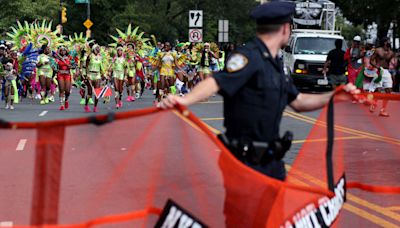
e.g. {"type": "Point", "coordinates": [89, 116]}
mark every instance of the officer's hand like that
{"type": "Point", "coordinates": [347, 92]}
{"type": "Point", "coordinates": [171, 101]}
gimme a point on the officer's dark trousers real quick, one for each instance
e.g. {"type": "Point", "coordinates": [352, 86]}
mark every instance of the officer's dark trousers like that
{"type": "Point", "coordinates": [274, 169]}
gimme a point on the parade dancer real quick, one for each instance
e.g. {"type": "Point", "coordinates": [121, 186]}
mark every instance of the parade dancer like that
{"type": "Point", "coordinates": [168, 61]}
{"type": "Point", "coordinates": [44, 69]}
{"type": "Point", "coordinates": [94, 72]}
{"type": "Point", "coordinates": [131, 77]}
{"type": "Point", "coordinates": [155, 71]}
{"type": "Point", "coordinates": [180, 70]}
{"type": "Point", "coordinates": [206, 62]}
{"type": "Point", "coordinates": [82, 75]}
{"type": "Point", "coordinates": [381, 60]}
{"type": "Point", "coordinates": [118, 72]}
{"type": "Point", "coordinates": [10, 75]}
{"type": "Point", "coordinates": [354, 57]}
{"type": "Point", "coordinates": [64, 76]}
{"type": "Point", "coordinates": [139, 85]}
{"type": "Point", "coordinates": [85, 83]}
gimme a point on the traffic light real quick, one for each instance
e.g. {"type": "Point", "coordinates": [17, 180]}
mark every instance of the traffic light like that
{"type": "Point", "coordinates": [63, 15]}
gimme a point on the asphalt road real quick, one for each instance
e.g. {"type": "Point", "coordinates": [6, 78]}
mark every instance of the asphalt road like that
{"type": "Point", "coordinates": [211, 112]}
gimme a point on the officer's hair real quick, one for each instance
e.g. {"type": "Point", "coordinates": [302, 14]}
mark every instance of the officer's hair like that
{"type": "Point", "coordinates": [268, 28]}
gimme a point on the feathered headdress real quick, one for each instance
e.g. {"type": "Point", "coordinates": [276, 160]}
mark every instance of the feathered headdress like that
{"type": "Point", "coordinates": [19, 35]}
{"type": "Point", "coordinates": [80, 40]}
{"type": "Point", "coordinates": [41, 34]}
{"type": "Point", "coordinates": [130, 37]}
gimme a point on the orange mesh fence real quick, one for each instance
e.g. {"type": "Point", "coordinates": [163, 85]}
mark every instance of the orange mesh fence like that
{"type": "Point", "coordinates": [365, 150]}
{"type": "Point", "coordinates": [120, 172]}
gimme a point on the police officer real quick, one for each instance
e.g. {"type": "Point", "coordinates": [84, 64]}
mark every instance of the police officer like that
{"type": "Point", "coordinates": [256, 90]}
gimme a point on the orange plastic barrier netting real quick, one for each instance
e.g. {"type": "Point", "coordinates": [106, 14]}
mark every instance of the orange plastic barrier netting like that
{"type": "Point", "coordinates": [120, 174]}
{"type": "Point", "coordinates": [366, 150]}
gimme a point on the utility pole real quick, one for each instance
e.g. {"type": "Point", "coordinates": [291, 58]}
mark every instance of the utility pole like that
{"type": "Point", "coordinates": [88, 10]}
{"type": "Point", "coordinates": [59, 27]}
{"type": "Point", "coordinates": [88, 31]}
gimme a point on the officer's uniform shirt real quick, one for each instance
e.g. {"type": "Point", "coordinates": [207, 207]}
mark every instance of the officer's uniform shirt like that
{"type": "Point", "coordinates": [256, 91]}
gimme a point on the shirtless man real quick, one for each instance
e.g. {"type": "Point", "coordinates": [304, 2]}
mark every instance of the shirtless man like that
{"type": "Point", "coordinates": [381, 59]}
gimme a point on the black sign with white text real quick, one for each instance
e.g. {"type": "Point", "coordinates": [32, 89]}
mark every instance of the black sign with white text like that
{"type": "Point", "coordinates": [174, 216]}
{"type": "Point", "coordinates": [322, 216]}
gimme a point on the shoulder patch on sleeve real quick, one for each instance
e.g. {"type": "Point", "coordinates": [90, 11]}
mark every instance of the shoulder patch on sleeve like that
{"type": "Point", "coordinates": [236, 62]}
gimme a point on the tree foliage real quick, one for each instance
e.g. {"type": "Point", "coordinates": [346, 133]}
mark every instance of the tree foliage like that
{"type": "Point", "coordinates": [349, 31]}
{"type": "Point", "coordinates": [366, 11]}
{"type": "Point", "coordinates": [28, 10]}
{"type": "Point", "coordinates": [167, 19]}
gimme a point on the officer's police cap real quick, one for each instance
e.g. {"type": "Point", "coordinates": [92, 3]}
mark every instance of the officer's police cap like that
{"type": "Point", "coordinates": [275, 12]}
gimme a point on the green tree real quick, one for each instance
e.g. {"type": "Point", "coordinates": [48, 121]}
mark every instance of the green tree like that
{"type": "Point", "coordinates": [349, 30]}
{"type": "Point", "coordinates": [28, 10]}
{"type": "Point", "coordinates": [166, 19]}
{"type": "Point", "coordinates": [366, 11]}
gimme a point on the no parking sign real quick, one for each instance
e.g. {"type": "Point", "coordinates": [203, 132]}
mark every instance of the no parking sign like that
{"type": "Point", "coordinates": [195, 35]}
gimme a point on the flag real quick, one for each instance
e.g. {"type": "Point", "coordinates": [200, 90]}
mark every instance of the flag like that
{"type": "Point", "coordinates": [102, 91]}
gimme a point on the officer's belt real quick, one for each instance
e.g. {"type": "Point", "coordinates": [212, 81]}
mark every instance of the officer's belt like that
{"type": "Point", "coordinates": [258, 153]}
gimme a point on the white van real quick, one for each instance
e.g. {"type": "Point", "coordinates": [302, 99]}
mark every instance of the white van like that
{"type": "Point", "coordinates": [306, 54]}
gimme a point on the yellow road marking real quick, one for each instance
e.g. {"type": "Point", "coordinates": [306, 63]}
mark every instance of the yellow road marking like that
{"type": "Point", "coordinates": [350, 197]}
{"type": "Point", "coordinates": [187, 120]}
{"type": "Point", "coordinates": [355, 210]}
{"type": "Point", "coordinates": [348, 130]}
{"type": "Point", "coordinates": [394, 208]}
{"type": "Point", "coordinates": [368, 216]}
{"type": "Point", "coordinates": [215, 131]}
{"type": "Point", "coordinates": [324, 139]}
{"type": "Point", "coordinates": [208, 119]}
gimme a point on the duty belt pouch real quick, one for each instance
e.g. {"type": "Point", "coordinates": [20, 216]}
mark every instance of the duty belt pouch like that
{"type": "Point", "coordinates": [234, 146]}
{"type": "Point", "coordinates": [260, 153]}
{"type": "Point", "coordinates": [283, 145]}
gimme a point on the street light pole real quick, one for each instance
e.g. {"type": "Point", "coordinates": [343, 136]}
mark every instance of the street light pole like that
{"type": "Point", "coordinates": [60, 13]}
{"type": "Point", "coordinates": [88, 31]}
{"type": "Point", "coordinates": [87, 10]}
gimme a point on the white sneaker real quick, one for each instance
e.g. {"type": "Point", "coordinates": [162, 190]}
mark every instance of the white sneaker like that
{"type": "Point", "coordinates": [154, 92]}
{"type": "Point", "coordinates": [51, 98]}
{"type": "Point", "coordinates": [11, 107]}
{"type": "Point", "coordinates": [38, 97]}
{"type": "Point", "coordinates": [137, 95]}
{"type": "Point", "coordinates": [7, 106]}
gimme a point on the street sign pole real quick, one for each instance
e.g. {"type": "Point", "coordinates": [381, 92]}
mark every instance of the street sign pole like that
{"type": "Point", "coordinates": [196, 25]}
